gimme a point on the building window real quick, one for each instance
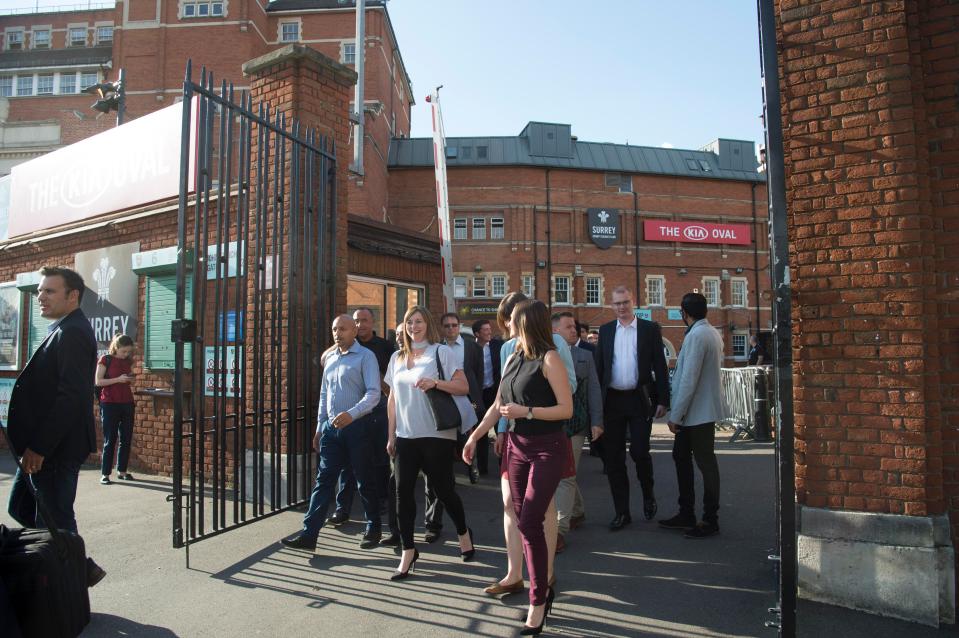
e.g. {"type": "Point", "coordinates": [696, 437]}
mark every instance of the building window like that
{"type": "Point", "coordinates": [739, 346]}
{"type": "Point", "coordinates": [655, 287]}
{"type": "Point", "coordinates": [201, 9]}
{"type": "Point", "coordinates": [45, 84]}
{"type": "Point", "coordinates": [561, 290]}
{"type": "Point", "coordinates": [24, 85]}
{"type": "Point", "coordinates": [711, 290]}
{"type": "Point", "coordinates": [289, 32]}
{"type": "Point", "coordinates": [348, 53]}
{"type": "Point", "coordinates": [529, 286]}
{"type": "Point", "coordinates": [622, 183]}
{"type": "Point", "coordinates": [77, 37]}
{"type": "Point", "coordinates": [498, 285]}
{"type": "Point", "coordinates": [6, 85]}
{"type": "Point", "coordinates": [497, 228]}
{"type": "Point", "coordinates": [594, 291]}
{"type": "Point", "coordinates": [479, 228]}
{"type": "Point", "coordinates": [459, 287]}
{"type": "Point", "coordinates": [88, 79]}
{"type": "Point", "coordinates": [15, 40]}
{"type": "Point", "coordinates": [459, 229]}
{"type": "Point", "coordinates": [479, 286]}
{"type": "Point", "coordinates": [68, 83]}
{"type": "Point", "coordinates": [738, 288]}
{"type": "Point", "coordinates": [104, 34]}
{"type": "Point", "coordinates": [481, 152]}
{"type": "Point", "coordinates": [41, 39]}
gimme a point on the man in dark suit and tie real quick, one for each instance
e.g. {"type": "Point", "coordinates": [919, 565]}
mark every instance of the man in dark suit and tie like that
{"type": "Point", "coordinates": [632, 372]}
{"type": "Point", "coordinates": [490, 347]}
{"type": "Point", "coordinates": [51, 423]}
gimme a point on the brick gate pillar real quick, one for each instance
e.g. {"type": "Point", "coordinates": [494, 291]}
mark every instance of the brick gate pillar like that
{"type": "Point", "coordinates": [304, 84]}
{"type": "Point", "coordinates": [867, 107]}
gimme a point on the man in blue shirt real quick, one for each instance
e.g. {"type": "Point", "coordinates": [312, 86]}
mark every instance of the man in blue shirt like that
{"type": "Point", "coordinates": [349, 393]}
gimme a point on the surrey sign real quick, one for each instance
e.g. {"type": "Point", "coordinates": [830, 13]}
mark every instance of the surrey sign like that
{"type": "Point", "coordinates": [603, 226]}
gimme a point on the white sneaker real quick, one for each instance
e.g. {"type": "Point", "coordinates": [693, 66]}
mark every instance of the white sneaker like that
{"type": "Point", "coordinates": [105, 480]}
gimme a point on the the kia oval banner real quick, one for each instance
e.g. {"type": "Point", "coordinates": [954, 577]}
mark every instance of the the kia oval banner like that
{"type": "Point", "coordinates": [130, 165]}
{"type": "Point", "coordinates": [697, 232]}
{"type": "Point", "coordinates": [603, 226]}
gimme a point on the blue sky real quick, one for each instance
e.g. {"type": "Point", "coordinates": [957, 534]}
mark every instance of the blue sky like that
{"type": "Point", "coordinates": [640, 71]}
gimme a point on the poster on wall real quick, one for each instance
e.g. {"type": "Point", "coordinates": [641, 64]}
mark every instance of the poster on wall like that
{"type": "Point", "coordinates": [110, 300]}
{"type": "Point", "coordinates": [9, 325]}
{"type": "Point", "coordinates": [6, 389]}
{"type": "Point", "coordinates": [214, 379]}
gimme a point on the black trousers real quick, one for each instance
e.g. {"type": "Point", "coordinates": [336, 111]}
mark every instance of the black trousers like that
{"type": "Point", "coordinates": [624, 412]}
{"type": "Point", "coordinates": [697, 442]}
{"type": "Point", "coordinates": [434, 456]}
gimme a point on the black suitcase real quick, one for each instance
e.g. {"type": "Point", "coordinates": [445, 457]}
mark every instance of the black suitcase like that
{"type": "Point", "coordinates": [44, 573]}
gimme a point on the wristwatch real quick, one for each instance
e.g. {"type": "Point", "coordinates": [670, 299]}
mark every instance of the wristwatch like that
{"type": "Point", "coordinates": [529, 413]}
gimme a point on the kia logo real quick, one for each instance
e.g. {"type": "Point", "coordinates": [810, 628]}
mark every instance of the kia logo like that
{"type": "Point", "coordinates": [695, 233]}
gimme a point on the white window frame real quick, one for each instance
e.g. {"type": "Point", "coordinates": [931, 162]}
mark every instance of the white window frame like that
{"type": "Point", "coordinates": [345, 55]}
{"type": "Point", "coordinates": [485, 286]}
{"type": "Point", "coordinates": [82, 85]}
{"type": "Point", "coordinates": [196, 5]}
{"type": "Point", "coordinates": [74, 28]}
{"type": "Point", "coordinates": [97, 33]}
{"type": "Point", "coordinates": [735, 283]}
{"type": "Point", "coordinates": [49, 90]}
{"type": "Point", "coordinates": [299, 30]}
{"type": "Point", "coordinates": [460, 229]}
{"type": "Point", "coordinates": [497, 228]}
{"type": "Point", "coordinates": [498, 291]}
{"type": "Point", "coordinates": [13, 85]}
{"type": "Point", "coordinates": [528, 286]}
{"type": "Point", "coordinates": [460, 286]}
{"type": "Point", "coordinates": [599, 290]}
{"type": "Point", "coordinates": [17, 92]}
{"type": "Point", "coordinates": [475, 236]}
{"type": "Point", "coordinates": [717, 299]}
{"type": "Point", "coordinates": [60, 90]}
{"type": "Point", "coordinates": [20, 32]}
{"type": "Point", "coordinates": [742, 337]}
{"type": "Point", "coordinates": [41, 29]}
{"type": "Point", "coordinates": [650, 300]}
{"type": "Point", "coordinates": [569, 290]}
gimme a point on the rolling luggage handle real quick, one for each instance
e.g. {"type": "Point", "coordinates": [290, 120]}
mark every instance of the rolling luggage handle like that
{"type": "Point", "coordinates": [44, 512]}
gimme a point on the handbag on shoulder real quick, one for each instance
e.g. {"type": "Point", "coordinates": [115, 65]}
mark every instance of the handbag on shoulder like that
{"type": "Point", "coordinates": [446, 414]}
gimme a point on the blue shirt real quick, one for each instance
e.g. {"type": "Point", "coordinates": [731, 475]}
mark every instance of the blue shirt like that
{"type": "Point", "coordinates": [561, 347]}
{"type": "Point", "coordinates": [351, 383]}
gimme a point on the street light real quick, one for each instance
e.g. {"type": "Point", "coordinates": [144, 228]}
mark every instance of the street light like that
{"type": "Point", "coordinates": [111, 97]}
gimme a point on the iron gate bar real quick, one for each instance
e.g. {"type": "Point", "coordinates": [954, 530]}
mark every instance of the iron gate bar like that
{"type": "Point", "coordinates": [782, 308]}
{"type": "Point", "coordinates": [285, 238]}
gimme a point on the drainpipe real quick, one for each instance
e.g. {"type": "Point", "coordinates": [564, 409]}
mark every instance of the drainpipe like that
{"type": "Point", "coordinates": [549, 248]}
{"type": "Point", "coordinates": [360, 114]}
{"type": "Point", "coordinates": [636, 240]}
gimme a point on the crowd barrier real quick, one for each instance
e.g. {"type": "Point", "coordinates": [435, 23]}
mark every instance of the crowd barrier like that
{"type": "Point", "coordinates": [746, 397]}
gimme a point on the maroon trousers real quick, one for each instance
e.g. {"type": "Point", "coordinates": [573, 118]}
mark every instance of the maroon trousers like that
{"type": "Point", "coordinates": [535, 466]}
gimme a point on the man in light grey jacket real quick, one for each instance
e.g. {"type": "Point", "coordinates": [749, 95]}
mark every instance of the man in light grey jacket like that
{"type": "Point", "coordinates": [696, 406]}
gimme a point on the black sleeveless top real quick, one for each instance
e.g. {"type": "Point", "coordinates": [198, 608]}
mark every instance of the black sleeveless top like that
{"type": "Point", "coordinates": [524, 383]}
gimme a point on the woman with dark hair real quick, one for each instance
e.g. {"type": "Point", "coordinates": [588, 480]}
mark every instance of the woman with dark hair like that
{"type": "Point", "coordinates": [414, 441]}
{"type": "Point", "coordinates": [536, 399]}
{"type": "Point", "coordinates": [113, 378]}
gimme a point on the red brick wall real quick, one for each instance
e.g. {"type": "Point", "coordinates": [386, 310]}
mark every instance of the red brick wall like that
{"type": "Point", "coordinates": [869, 97]}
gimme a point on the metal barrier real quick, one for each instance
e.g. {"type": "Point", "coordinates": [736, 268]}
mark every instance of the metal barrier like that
{"type": "Point", "coordinates": [746, 398]}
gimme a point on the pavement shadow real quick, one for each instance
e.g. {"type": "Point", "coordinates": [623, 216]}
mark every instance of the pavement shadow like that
{"type": "Point", "coordinates": [107, 625]}
{"type": "Point", "coordinates": [156, 486]}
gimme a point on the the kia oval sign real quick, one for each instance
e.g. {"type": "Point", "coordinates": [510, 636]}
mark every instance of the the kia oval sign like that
{"type": "Point", "coordinates": [698, 233]}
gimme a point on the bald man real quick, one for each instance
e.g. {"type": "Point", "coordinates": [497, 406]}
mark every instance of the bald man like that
{"type": "Point", "coordinates": [348, 395]}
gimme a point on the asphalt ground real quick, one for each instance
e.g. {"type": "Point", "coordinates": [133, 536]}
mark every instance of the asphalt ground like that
{"type": "Point", "coordinates": [640, 581]}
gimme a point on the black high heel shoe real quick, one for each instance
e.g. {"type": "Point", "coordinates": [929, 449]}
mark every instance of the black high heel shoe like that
{"type": "Point", "coordinates": [469, 554]}
{"type": "Point", "coordinates": [535, 631]}
{"type": "Point", "coordinates": [398, 575]}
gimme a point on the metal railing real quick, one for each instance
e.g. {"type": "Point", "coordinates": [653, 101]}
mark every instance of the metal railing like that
{"type": "Point", "coordinates": [747, 402]}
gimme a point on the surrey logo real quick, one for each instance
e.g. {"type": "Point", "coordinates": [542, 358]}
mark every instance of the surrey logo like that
{"type": "Point", "coordinates": [603, 226]}
{"type": "Point", "coordinates": [103, 276]}
{"type": "Point", "coordinates": [603, 216]}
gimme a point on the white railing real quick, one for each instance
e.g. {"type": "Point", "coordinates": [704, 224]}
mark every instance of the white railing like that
{"type": "Point", "coordinates": [59, 8]}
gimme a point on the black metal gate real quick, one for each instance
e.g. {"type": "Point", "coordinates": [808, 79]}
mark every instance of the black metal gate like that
{"type": "Point", "coordinates": [254, 292]}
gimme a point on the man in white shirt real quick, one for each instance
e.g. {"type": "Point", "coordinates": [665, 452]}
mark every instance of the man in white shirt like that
{"type": "Point", "coordinates": [631, 365]}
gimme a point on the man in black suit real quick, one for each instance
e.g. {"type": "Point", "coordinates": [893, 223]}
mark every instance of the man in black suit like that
{"type": "Point", "coordinates": [632, 372]}
{"type": "Point", "coordinates": [51, 422]}
{"type": "Point", "coordinates": [582, 331]}
{"type": "Point", "coordinates": [469, 358]}
{"type": "Point", "coordinates": [490, 347]}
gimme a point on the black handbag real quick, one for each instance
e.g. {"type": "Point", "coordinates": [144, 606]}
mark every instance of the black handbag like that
{"type": "Point", "coordinates": [446, 414]}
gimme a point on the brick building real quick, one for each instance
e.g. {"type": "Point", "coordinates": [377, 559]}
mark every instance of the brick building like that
{"type": "Point", "coordinates": [519, 209]}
